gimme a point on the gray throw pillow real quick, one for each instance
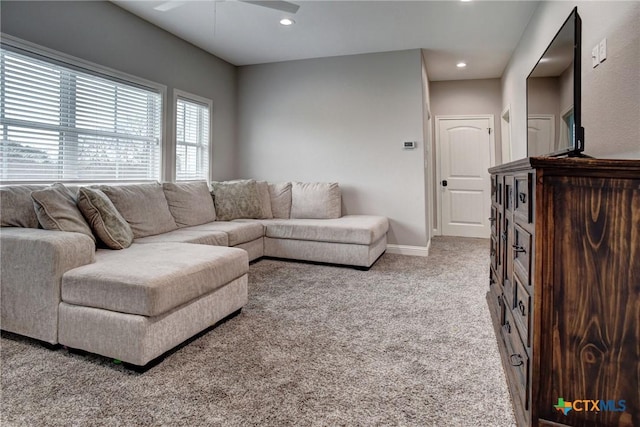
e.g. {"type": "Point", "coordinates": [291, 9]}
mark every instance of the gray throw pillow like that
{"type": "Point", "coordinates": [190, 203]}
{"type": "Point", "coordinates": [16, 206]}
{"type": "Point", "coordinates": [317, 200]}
{"type": "Point", "coordinates": [56, 209]}
{"type": "Point", "coordinates": [105, 220]}
{"type": "Point", "coordinates": [143, 206]}
{"type": "Point", "coordinates": [280, 195]}
{"type": "Point", "coordinates": [236, 199]}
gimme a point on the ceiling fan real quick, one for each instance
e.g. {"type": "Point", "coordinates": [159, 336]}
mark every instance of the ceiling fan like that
{"type": "Point", "coordinates": [283, 6]}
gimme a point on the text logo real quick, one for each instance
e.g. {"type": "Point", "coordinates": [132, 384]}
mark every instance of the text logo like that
{"type": "Point", "coordinates": [587, 405]}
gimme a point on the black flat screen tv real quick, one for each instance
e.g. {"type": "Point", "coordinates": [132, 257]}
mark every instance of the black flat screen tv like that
{"type": "Point", "coordinates": [554, 126]}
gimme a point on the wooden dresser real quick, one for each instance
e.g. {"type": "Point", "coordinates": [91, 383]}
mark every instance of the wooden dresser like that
{"type": "Point", "coordinates": [564, 289]}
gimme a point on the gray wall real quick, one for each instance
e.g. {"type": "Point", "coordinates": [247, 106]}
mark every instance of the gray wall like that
{"type": "Point", "coordinates": [341, 119]}
{"type": "Point", "coordinates": [105, 34]}
{"type": "Point", "coordinates": [610, 92]}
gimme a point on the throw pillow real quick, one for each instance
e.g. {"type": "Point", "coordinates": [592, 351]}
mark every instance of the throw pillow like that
{"type": "Point", "coordinates": [319, 200]}
{"type": "Point", "coordinates": [265, 199]}
{"type": "Point", "coordinates": [190, 203]}
{"type": "Point", "coordinates": [16, 206]}
{"type": "Point", "coordinates": [56, 209]}
{"type": "Point", "coordinates": [236, 199]}
{"type": "Point", "coordinates": [280, 195]}
{"type": "Point", "coordinates": [143, 206]}
{"type": "Point", "coordinates": [104, 219]}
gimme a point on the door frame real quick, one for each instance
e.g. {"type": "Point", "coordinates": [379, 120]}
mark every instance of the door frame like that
{"type": "Point", "coordinates": [492, 157]}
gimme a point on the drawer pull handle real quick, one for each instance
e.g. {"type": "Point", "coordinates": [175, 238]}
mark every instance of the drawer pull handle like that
{"type": "Point", "coordinates": [522, 308]}
{"type": "Point", "coordinates": [518, 249]}
{"type": "Point", "coordinates": [507, 327]}
{"type": "Point", "coordinates": [492, 282]}
{"type": "Point", "coordinates": [491, 219]}
{"type": "Point", "coordinates": [522, 197]}
{"type": "Point", "coordinates": [493, 253]}
{"type": "Point", "coordinates": [504, 236]}
{"type": "Point", "coordinates": [516, 360]}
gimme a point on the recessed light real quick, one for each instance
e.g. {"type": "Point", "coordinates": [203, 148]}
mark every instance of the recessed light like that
{"type": "Point", "coordinates": [461, 64]}
{"type": "Point", "coordinates": [287, 21]}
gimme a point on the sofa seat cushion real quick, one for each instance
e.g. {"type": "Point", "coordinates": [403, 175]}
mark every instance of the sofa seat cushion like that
{"type": "Point", "coordinates": [238, 231]}
{"type": "Point", "coordinates": [352, 229]}
{"type": "Point", "coordinates": [183, 235]}
{"type": "Point", "coordinates": [154, 278]}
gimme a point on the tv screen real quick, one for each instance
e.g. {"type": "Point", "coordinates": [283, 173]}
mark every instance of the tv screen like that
{"type": "Point", "coordinates": [553, 96]}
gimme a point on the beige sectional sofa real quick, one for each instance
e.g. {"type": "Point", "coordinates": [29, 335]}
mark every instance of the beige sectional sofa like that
{"type": "Point", "coordinates": [178, 258]}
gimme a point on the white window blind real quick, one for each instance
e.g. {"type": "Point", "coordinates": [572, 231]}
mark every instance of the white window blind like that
{"type": "Point", "coordinates": [60, 123]}
{"type": "Point", "coordinates": [192, 139]}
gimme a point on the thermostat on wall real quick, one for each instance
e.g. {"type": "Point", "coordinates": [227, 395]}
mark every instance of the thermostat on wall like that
{"type": "Point", "coordinates": [409, 145]}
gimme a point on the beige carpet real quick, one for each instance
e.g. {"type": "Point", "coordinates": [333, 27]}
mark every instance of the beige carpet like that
{"type": "Point", "coordinates": [407, 343]}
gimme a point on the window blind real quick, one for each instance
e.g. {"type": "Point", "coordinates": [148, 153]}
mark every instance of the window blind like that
{"type": "Point", "coordinates": [59, 123]}
{"type": "Point", "coordinates": [192, 140]}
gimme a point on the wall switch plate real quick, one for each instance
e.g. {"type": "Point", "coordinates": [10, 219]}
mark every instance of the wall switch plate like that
{"type": "Point", "coordinates": [595, 56]}
{"type": "Point", "coordinates": [603, 50]}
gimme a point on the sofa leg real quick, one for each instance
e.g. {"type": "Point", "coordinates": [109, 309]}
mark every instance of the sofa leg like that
{"type": "Point", "coordinates": [51, 347]}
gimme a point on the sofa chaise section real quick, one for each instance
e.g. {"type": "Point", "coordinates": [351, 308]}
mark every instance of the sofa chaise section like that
{"type": "Point", "coordinates": [356, 240]}
{"type": "Point", "coordinates": [138, 303]}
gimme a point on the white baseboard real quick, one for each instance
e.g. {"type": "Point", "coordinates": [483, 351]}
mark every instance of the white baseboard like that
{"type": "Point", "coordinates": [409, 250]}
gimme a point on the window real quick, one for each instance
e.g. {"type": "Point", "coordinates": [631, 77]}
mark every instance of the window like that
{"type": "Point", "coordinates": [60, 122]}
{"type": "Point", "coordinates": [193, 119]}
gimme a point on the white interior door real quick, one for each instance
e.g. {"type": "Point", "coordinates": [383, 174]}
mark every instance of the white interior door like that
{"type": "Point", "coordinates": [541, 135]}
{"type": "Point", "coordinates": [466, 147]}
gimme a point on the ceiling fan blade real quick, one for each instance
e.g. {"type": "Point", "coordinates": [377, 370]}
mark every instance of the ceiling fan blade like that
{"type": "Point", "coordinates": [283, 6]}
{"type": "Point", "coordinates": [168, 5]}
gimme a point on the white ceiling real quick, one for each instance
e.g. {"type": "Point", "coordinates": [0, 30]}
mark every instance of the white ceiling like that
{"type": "Point", "coordinates": [481, 33]}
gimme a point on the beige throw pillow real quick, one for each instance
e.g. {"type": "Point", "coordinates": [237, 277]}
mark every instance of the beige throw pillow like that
{"type": "Point", "coordinates": [190, 203]}
{"type": "Point", "coordinates": [318, 200]}
{"type": "Point", "coordinates": [280, 195]}
{"type": "Point", "coordinates": [236, 199]}
{"type": "Point", "coordinates": [104, 219]}
{"type": "Point", "coordinates": [143, 206]}
{"type": "Point", "coordinates": [56, 209]}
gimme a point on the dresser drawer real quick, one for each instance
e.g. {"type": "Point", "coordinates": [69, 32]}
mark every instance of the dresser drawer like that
{"type": "Point", "coordinates": [508, 193]}
{"type": "Point", "coordinates": [521, 250]}
{"type": "Point", "coordinates": [493, 220]}
{"type": "Point", "coordinates": [496, 303]}
{"type": "Point", "coordinates": [522, 310]}
{"type": "Point", "coordinates": [494, 253]}
{"type": "Point", "coordinates": [517, 359]}
{"type": "Point", "coordinates": [494, 188]}
{"type": "Point", "coordinates": [522, 198]}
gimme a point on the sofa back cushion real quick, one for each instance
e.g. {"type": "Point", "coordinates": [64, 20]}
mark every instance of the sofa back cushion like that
{"type": "Point", "coordinates": [317, 200]}
{"type": "Point", "coordinates": [143, 206]}
{"type": "Point", "coordinates": [190, 203]}
{"type": "Point", "coordinates": [265, 199]}
{"type": "Point", "coordinates": [56, 209]}
{"type": "Point", "coordinates": [105, 220]}
{"type": "Point", "coordinates": [236, 199]}
{"type": "Point", "coordinates": [280, 195]}
{"type": "Point", "coordinates": [16, 206]}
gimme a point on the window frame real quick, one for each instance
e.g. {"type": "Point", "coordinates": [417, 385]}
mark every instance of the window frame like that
{"type": "Point", "coordinates": [187, 96]}
{"type": "Point", "coordinates": [34, 50]}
